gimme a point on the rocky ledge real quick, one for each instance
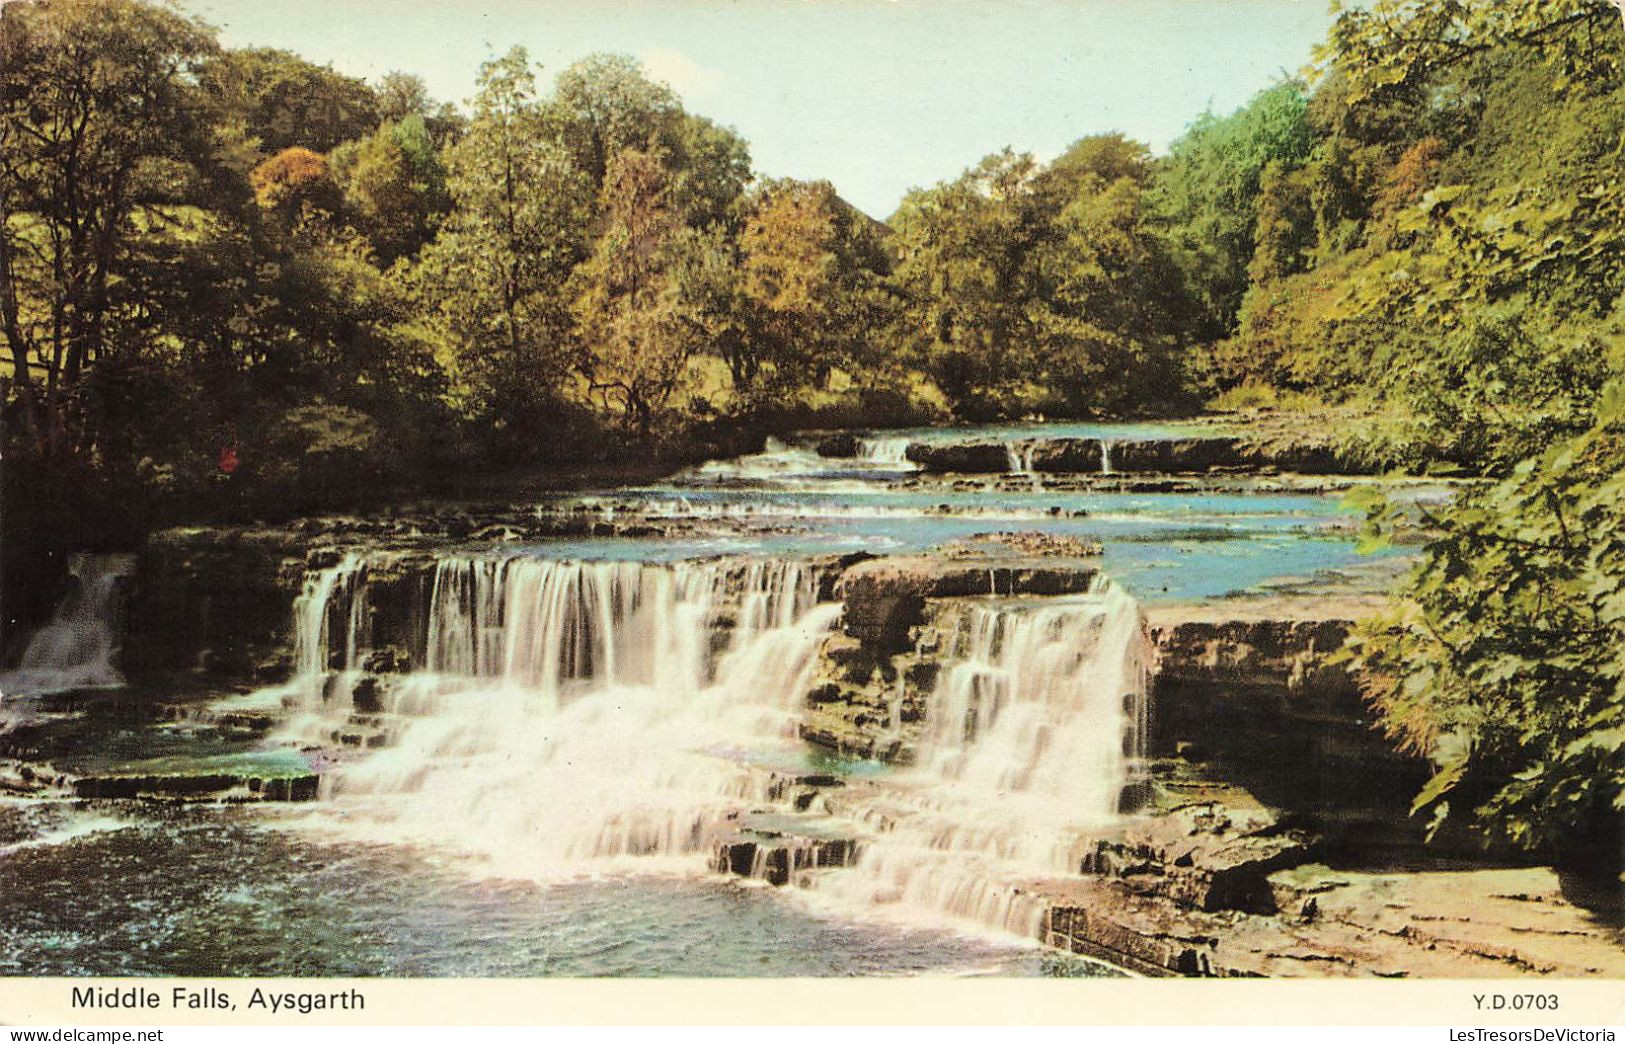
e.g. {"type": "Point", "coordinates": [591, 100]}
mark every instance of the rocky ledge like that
{"type": "Point", "coordinates": [1192, 454]}
{"type": "Point", "coordinates": [875, 674]}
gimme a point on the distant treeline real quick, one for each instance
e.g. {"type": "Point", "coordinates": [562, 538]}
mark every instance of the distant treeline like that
{"type": "Point", "coordinates": [236, 262]}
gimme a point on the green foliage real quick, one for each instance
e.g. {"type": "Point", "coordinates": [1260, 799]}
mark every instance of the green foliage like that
{"type": "Point", "coordinates": [811, 283]}
{"type": "Point", "coordinates": [1027, 289]}
{"type": "Point", "coordinates": [1503, 663]}
{"type": "Point", "coordinates": [491, 286]}
{"type": "Point", "coordinates": [629, 306]}
{"type": "Point", "coordinates": [280, 100]}
{"type": "Point", "coordinates": [100, 134]}
{"type": "Point", "coordinates": [1205, 195]}
{"type": "Point", "coordinates": [394, 186]}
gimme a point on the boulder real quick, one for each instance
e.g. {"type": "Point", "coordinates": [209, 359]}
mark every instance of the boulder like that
{"type": "Point", "coordinates": [840, 444]}
{"type": "Point", "coordinates": [977, 458]}
{"type": "Point", "coordinates": [1066, 456]}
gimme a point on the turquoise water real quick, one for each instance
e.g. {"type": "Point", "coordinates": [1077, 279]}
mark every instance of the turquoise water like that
{"type": "Point", "coordinates": [209, 891]}
{"type": "Point", "coordinates": [1159, 545]}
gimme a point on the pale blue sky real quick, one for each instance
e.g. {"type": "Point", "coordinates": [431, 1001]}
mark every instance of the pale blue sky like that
{"type": "Point", "coordinates": [876, 95]}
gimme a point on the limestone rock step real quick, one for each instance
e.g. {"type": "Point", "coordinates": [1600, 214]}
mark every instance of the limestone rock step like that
{"type": "Point", "coordinates": [274, 775]}
{"type": "Point", "coordinates": [778, 859]}
{"type": "Point", "coordinates": [1193, 454]}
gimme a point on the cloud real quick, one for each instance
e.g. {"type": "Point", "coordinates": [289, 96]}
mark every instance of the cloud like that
{"type": "Point", "coordinates": [688, 77]}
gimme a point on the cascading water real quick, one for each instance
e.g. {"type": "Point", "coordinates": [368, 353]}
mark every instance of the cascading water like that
{"type": "Point", "coordinates": [1105, 456]}
{"type": "Point", "coordinates": [884, 450]}
{"type": "Point", "coordinates": [1019, 461]}
{"type": "Point", "coordinates": [565, 713]}
{"type": "Point", "coordinates": [79, 648]}
{"type": "Point", "coordinates": [1032, 729]}
{"type": "Point", "coordinates": [574, 711]}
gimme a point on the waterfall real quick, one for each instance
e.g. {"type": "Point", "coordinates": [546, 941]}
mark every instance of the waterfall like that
{"type": "Point", "coordinates": [1105, 456]}
{"type": "Point", "coordinates": [1019, 461]}
{"type": "Point", "coordinates": [572, 711]}
{"type": "Point", "coordinates": [1035, 721]}
{"type": "Point", "coordinates": [79, 648]}
{"type": "Point", "coordinates": [884, 450]}
{"type": "Point", "coordinates": [564, 715]}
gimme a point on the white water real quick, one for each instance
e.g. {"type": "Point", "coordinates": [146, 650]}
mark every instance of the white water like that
{"type": "Point", "coordinates": [800, 467]}
{"type": "Point", "coordinates": [568, 715]}
{"type": "Point", "coordinates": [1019, 457]}
{"type": "Point", "coordinates": [884, 450]}
{"type": "Point", "coordinates": [1105, 456]}
{"type": "Point", "coordinates": [79, 648]}
{"type": "Point", "coordinates": [1031, 732]}
{"type": "Point", "coordinates": [573, 712]}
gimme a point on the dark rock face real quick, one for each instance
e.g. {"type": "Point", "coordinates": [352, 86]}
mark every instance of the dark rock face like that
{"type": "Point", "coordinates": [1206, 855]}
{"type": "Point", "coordinates": [1262, 703]}
{"type": "Point", "coordinates": [215, 600]}
{"type": "Point", "coordinates": [972, 458]}
{"type": "Point", "coordinates": [840, 444]}
{"type": "Point", "coordinates": [776, 861]}
{"type": "Point", "coordinates": [885, 596]}
{"type": "Point", "coordinates": [1193, 455]}
{"type": "Point", "coordinates": [874, 677]}
{"type": "Point", "coordinates": [1222, 452]}
{"type": "Point", "coordinates": [1066, 456]}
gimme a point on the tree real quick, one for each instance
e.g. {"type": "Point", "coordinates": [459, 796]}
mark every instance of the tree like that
{"type": "Point", "coordinates": [403, 96]}
{"type": "Point", "coordinates": [603, 105]}
{"type": "Point", "coordinates": [961, 251]}
{"type": "Point", "coordinates": [1503, 661]}
{"type": "Point", "coordinates": [282, 100]}
{"type": "Point", "coordinates": [1204, 198]}
{"type": "Point", "coordinates": [809, 263]}
{"type": "Point", "coordinates": [395, 186]}
{"type": "Point", "coordinates": [1106, 304]}
{"type": "Point", "coordinates": [632, 322]}
{"type": "Point", "coordinates": [493, 281]}
{"type": "Point", "coordinates": [98, 117]}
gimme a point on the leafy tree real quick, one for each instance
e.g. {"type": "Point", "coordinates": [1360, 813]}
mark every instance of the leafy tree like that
{"type": "Point", "coordinates": [402, 96]}
{"type": "Point", "coordinates": [1205, 195]}
{"type": "Point", "coordinates": [603, 105]}
{"type": "Point", "coordinates": [282, 100]}
{"type": "Point", "coordinates": [394, 186]}
{"type": "Point", "coordinates": [961, 250]}
{"type": "Point", "coordinates": [99, 120]}
{"type": "Point", "coordinates": [632, 319]}
{"type": "Point", "coordinates": [1107, 306]}
{"type": "Point", "coordinates": [295, 182]}
{"type": "Point", "coordinates": [810, 265]}
{"type": "Point", "coordinates": [492, 284]}
{"type": "Point", "coordinates": [1503, 662]}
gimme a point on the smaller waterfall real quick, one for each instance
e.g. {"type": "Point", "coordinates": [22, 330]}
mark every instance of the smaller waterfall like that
{"type": "Point", "coordinates": [1033, 727]}
{"type": "Point", "coordinates": [1019, 461]}
{"type": "Point", "coordinates": [79, 648]}
{"type": "Point", "coordinates": [330, 618]}
{"type": "Point", "coordinates": [1105, 456]}
{"type": "Point", "coordinates": [884, 450]}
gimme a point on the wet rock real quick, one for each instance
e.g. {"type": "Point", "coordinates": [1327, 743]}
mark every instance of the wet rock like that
{"type": "Point", "coordinates": [840, 444]}
{"type": "Point", "coordinates": [777, 861]}
{"type": "Point", "coordinates": [1066, 455]}
{"type": "Point", "coordinates": [885, 596]}
{"type": "Point", "coordinates": [1210, 453]}
{"type": "Point", "coordinates": [977, 458]}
